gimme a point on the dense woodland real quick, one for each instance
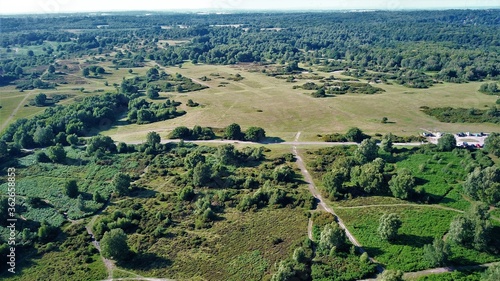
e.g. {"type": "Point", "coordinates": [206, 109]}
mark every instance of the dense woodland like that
{"type": "Point", "coordinates": [457, 46]}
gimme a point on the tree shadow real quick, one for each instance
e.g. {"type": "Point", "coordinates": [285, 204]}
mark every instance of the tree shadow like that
{"type": "Point", "coordinates": [270, 140]}
{"type": "Point", "coordinates": [76, 162]}
{"type": "Point", "coordinates": [145, 262]}
{"type": "Point", "coordinates": [446, 200]}
{"type": "Point", "coordinates": [373, 251]}
{"type": "Point", "coordinates": [412, 240]}
{"type": "Point", "coordinates": [141, 192]}
{"type": "Point", "coordinates": [420, 181]}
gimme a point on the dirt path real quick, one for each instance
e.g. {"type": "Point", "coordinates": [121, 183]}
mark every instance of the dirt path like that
{"type": "Point", "coordinates": [310, 230]}
{"type": "Point", "coordinates": [314, 191]}
{"type": "Point", "coordinates": [446, 269]}
{"type": "Point", "coordinates": [15, 111]}
{"type": "Point", "coordinates": [408, 204]}
{"type": "Point", "coordinates": [140, 278]}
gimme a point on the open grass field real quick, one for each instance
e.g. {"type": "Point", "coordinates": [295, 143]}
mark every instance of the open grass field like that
{"type": "Point", "coordinates": [420, 226]}
{"type": "Point", "coordinates": [259, 100]}
{"type": "Point", "coordinates": [440, 176]}
{"type": "Point", "coordinates": [271, 103]}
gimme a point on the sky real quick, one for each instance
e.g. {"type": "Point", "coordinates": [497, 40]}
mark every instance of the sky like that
{"type": "Point", "coordinates": [63, 6]}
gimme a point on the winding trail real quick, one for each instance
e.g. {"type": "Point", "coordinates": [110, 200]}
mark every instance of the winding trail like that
{"type": "Point", "coordinates": [404, 204]}
{"type": "Point", "coordinates": [447, 269]}
{"type": "Point", "coordinates": [314, 191]}
{"type": "Point", "coordinates": [15, 110]}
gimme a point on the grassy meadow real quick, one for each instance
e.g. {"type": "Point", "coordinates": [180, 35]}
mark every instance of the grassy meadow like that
{"type": "Point", "coordinates": [271, 103]}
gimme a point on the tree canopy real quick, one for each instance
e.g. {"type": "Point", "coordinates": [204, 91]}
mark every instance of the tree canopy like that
{"type": "Point", "coordinates": [389, 225]}
{"type": "Point", "coordinates": [114, 245]}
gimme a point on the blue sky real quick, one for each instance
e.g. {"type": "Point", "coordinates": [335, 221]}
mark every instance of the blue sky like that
{"type": "Point", "coordinates": [55, 6]}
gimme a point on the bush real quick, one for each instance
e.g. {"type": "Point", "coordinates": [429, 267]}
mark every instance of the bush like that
{"type": "Point", "coordinates": [389, 225]}
{"type": "Point", "coordinates": [187, 193]}
{"type": "Point", "coordinates": [114, 245]}
{"type": "Point", "coordinates": [71, 189]}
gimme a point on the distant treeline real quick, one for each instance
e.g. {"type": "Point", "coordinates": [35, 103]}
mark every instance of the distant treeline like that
{"type": "Point", "coordinates": [414, 48]}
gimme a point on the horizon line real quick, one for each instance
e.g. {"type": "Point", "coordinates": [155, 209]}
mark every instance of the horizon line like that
{"type": "Point", "coordinates": [222, 11]}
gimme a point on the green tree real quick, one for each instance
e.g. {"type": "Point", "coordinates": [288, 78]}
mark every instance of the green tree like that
{"type": "Point", "coordinates": [121, 184]}
{"type": "Point", "coordinates": [61, 138]}
{"type": "Point", "coordinates": [484, 185]}
{"type": "Point", "coordinates": [493, 88]}
{"type": "Point", "coordinates": [389, 225]}
{"type": "Point", "coordinates": [122, 147]}
{"type": "Point", "coordinates": [41, 157]}
{"type": "Point", "coordinates": [51, 69]}
{"type": "Point", "coordinates": [152, 93]}
{"type": "Point", "coordinates": [461, 230]}
{"type": "Point", "coordinates": [447, 142]}
{"type": "Point", "coordinates": [180, 133]}
{"type": "Point", "coordinates": [179, 88]}
{"type": "Point", "coordinates": [86, 72]}
{"type": "Point", "coordinates": [233, 132]}
{"type": "Point", "coordinates": [23, 139]}
{"type": "Point", "coordinates": [187, 193]}
{"type": "Point", "coordinates": [283, 173]}
{"type": "Point", "coordinates": [97, 197]}
{"type": "Point", "coordinates": [285, 272]}
{"type": "Point", "coordinates": [491, 274]}
{"type": "Point", "coordinates": [31, 53]}
{"type": "Point", "coordinates": [152, 73]}
{"type": "Point", "coordinates": [355, 135]}
{"type": "Point", "coordinates": [72, 139]}
{"type": "Point", "coordinates": [333, 181]}
{"type": "Point", "coordinates": [101, 143]}
{"type": "Point", "coordinates": [386, 143]}
{"type": "Point", "coordinates": [225, 154]}
{"type": "Point", "coordinates": [492, 144]}
{"type": "Point", "coordinates": [43, 135]}
{"type": "Point", "coordinates": [100, 70]}
{"type": "Point", "coordinates": [144, 116]}
{"type": "Point", "coordinates": [402, 184]}
{"type": "Point", "coordinates": [46, 232]}
{"type": "Point", "coordinates": [193, 158]}
{"type": "Point", "coordinates": [71, 189]}
{"type": "Point", "coordinates": [201, 174]}
{"type": "Point", "coordinates": [473, 228]}
{"type": "Point", "coordinates": [369, 176]}
{"type": "Point", "coordinates": [153, 139]}
{"type": "Point", "coordinates": [391, 275]}
{"type": "Point", "coordinates": [436, 254]}
{"type": "Point", "coordinates": [3, 149]}
{"type": "Point", "coordinates": [114, 245]}
{"type": "Point", "coordinates": [299, 255]}
{"type": "Point", "coordinates": [367, 151]}
{"type": "Point", "coordinates": [4, 208]}
{"type": "Point", "coordinates": [18, 71]}
{"type": "Point", "coordinates": [332, 238]}
{"type": "Point", "coordinates": [40, 99]}
{"type": "Point", "coordinates": [56, 153]}
{"type": "Point", "coordinates": [255, 134]}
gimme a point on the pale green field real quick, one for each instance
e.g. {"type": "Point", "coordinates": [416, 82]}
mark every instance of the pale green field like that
{"type": "Point", "coordinates": [11, 99]}
{"type": "Point", "coordinates": [286, 111]}
{"type": "Point", "coordinates": [259, 100]}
